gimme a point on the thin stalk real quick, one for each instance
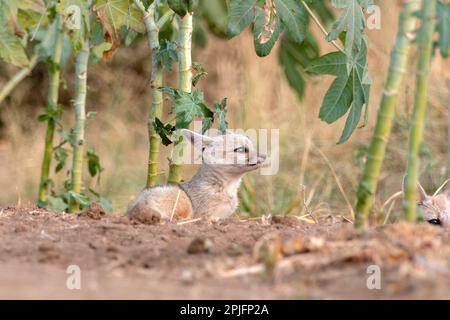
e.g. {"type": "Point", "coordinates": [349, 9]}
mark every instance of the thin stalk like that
{"type": "Point", "coordinates": [420, 107]}
{"type": "Point", "coordinates": [184, 83]}
{"type": "Point", "coordinates": [52, 101]}
{"type": "Point", "coordinates": [81, 66]}
{"type": "Point", "coordinates": [18, 77]}
{"type": "Point", "coordinates": [156, 107]}
{"type": "Point", "coordinates": [397, 70]}
{"type": "Point", "coordinates": [448, 135]}
{"type": "Point", "coordinates": [321, 27]}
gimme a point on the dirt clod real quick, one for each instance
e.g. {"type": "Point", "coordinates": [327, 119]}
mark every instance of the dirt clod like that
{"type": "Point", "coordinates": [95, 211]}
{"type": "Point", "coordinates": [199, 245]}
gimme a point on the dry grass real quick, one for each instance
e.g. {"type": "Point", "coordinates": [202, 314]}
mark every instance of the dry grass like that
{"type": "Point", "coordinates": [259, 97]}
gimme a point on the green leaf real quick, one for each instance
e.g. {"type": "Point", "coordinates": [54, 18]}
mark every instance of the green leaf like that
{"type": "Point", "coordinates": [187, 106]}
{"type": "Point", "coordinates": [113, 14]}
{"type": "Point", "coordinates": [164, 131]}
{"type": "Point", "coordinates": [207, 124]}
{"type": "Point", "coordinates": [106, 204]}
{"type": "Point", "coordinates": [11, 49]}
{"type": "Point", "coordinates": [334, 63]}
{"type": "Point", "coordinates": [348, 91]}
{"type": "Point", "coordinates": [61, 157]}
{"type": "Point", "coordinates": [337, 100]}
{"type": "Point", "coordinates": [443, 27]}
{"type": "Point", "coordinates": [181, 7]}
{"type": "Point", "coordinates": [94, 166]}
{"type": "Point", "coordinates": [352, 21]}
{"type": "Point", "coordinates": [81, 199]}
{"type": "Point", "coordinates": [294, 17]}
{"type": "Point", "coordinates": [351, 124]}
{"type": "Point", "coordinates": [200, 72]}
{"type": "Point", "coordinates": [57, 204]}
{"type": "Point", "coordinates": [167, 54]}
{"type": "Point", "coordinates": [265, 36]}
{"type": "Point", "coordinates": [240, 15]}
{"type": "Point", "coordinates": [221, 112]}
{"type": "Point", "coordinates": [97, 51]}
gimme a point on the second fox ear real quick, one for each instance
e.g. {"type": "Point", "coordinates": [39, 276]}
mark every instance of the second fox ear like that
{"type": "Point", "coordinates": [421, 191]}
{"type": "Point", "coordinates": [198, 140]}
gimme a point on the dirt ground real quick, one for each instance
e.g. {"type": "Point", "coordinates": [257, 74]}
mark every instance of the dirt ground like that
{"type": "Point", "coordinates": [268, 258]}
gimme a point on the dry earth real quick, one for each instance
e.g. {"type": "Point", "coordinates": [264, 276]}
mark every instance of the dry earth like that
{"type": "Point", "coordinates": [259, 259]}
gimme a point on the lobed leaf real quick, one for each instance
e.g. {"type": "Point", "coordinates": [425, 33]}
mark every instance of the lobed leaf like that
{"type": "Point", "coordinates": [241, 14]}
{"type": "Point", "coordinates": [265, 37]}
{"type": "Point", "coordinates": [11, 49]}
{"type": "Point", "coordinates": [294, 17]}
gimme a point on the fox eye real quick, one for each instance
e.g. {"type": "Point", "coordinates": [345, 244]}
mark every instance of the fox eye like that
{"type": "Point", "coordinates": [241, 149]}
{"type": "Point", "coordinates": [435, 222]}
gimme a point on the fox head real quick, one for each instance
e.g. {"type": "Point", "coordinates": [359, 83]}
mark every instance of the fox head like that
{"type": "Point", "coordinates": [230, 153]}
{"type": "Point", "coordinates": [436, 208]}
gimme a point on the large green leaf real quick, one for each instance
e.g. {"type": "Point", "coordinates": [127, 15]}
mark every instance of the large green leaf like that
{"type": "Point", "coordinates": [11, 49]}
{"type": "Point", "coordinates": [443, 27]}
{"type": "Point", "coordinates": [9, 9]}
{"type": "Point", "coordinates": [265, 36]}
{"type": "Point", "coordinates": [352, 21]}
{"type": "Point", "coordinates": [187, 106]}
{"type": "Point", "coordinates": [240, 15]}
{"type": "Point", "coordinates": [348, 91]}
{"type": "Point", "coordinates": [221, 111]}
{"type": "Point", "coordinates": [337, 100]}
{"type": "Point", "coordinates": [334, 63]}
{"type": "Point", "coordinates": [113, 14]}
{"type": "Point", "coordinates": [294, 17]}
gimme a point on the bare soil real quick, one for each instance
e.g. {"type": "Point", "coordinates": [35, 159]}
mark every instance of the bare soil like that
{"type": "Point", "coordinates": [268, 258]}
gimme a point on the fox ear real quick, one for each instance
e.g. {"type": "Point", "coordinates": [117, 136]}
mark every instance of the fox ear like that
{"type": "Point", "coordinates": [421, 191]}
{"type": "Point", "coordinates": [197, 140]}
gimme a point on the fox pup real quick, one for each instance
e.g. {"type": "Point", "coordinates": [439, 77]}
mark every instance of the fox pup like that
{"type": "Point", "coordinates": [436, 208]}
{"type": "Point", "coordinates": [212, 192]}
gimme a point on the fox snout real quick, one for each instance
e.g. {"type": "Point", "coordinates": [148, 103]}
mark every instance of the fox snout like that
{"type": "Point", "coordinates": [258, 159]}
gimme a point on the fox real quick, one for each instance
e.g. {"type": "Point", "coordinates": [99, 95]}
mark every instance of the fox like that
{"type": "Point", "coordinates": [436, 208]}
{"type": "Point", "coordinates": [213, 190]}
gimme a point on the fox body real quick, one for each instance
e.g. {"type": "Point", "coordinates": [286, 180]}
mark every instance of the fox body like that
{"type": "Point", "coordinates": [212, 192]}
{"type": "Point", "coordinates": [436, 208]}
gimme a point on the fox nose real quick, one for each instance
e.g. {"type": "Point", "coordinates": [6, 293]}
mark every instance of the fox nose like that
{"type": "Point", "coordinates": [262, 158]}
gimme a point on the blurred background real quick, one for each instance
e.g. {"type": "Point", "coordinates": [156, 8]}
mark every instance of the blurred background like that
{"type": "Point", "coordinates": [316, 175]}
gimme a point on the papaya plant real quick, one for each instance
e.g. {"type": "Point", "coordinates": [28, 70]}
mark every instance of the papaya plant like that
{"type": "Point", "coordinates": [406, 37]}
{"type": "Point", "coordinates": [161, 54]}
{"type": "Point", "coordinates": [425, 41]}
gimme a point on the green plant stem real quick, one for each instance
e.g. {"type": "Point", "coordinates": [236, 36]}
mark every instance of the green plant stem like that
{"type": "Point", "coordinates": [448, 134]}
{"type": "Point", "coordinates": [397, 70]}
{"type": "Point", "coordinates": [156, 107]}
{"type": "Point", "coordinates": [420, 106]}
{"type": "Point", "coordinates": [184, 84]}
{"type": "Point", "coordinates": [321, 27]}
{"type": "Point", "coordinates": [52, 101]}
{"type": "Point", "coordinates": [81, 68]}
{"type": "Point", "coordinates": [18, 77]}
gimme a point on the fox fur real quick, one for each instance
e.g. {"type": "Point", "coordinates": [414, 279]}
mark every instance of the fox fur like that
{"type": "Point", "coordinates": [212, 192]}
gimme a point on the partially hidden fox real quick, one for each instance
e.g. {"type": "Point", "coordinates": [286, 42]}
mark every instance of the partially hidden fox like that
{"type": "Point", "coordinates": [436, 208]}
{"type": "Point", "coordinates": [212, 192]}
